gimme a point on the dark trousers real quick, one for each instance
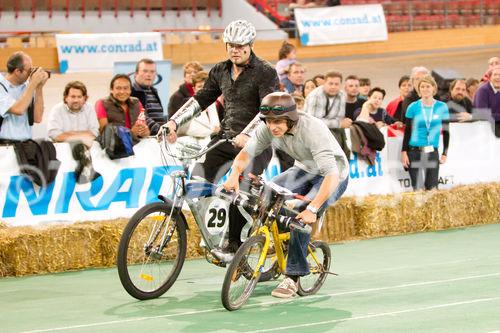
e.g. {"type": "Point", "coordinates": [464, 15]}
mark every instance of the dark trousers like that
{"type": "Point", "coordinates": [217, 163]}
{"type": "Point", "coordinates": [424, 169]}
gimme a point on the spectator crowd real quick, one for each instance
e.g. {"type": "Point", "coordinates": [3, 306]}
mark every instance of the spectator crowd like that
{"type": "Point", "coordinates": [133, 109]}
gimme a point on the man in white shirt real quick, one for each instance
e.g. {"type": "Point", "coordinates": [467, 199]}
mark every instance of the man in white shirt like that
{"type": "Point", "coordinates": [21, 97]}
{"type": "Point", "coordinates": [75, 121]}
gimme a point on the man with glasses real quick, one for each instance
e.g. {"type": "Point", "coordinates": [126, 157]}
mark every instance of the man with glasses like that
{"type": "Point", "coordinates": [243, 80]}
{"type": "Point", "coordinates": [21, 98]}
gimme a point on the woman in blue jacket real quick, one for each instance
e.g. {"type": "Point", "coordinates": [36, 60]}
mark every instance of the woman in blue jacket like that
{"type": "Point", "coordinates": [425, 119]}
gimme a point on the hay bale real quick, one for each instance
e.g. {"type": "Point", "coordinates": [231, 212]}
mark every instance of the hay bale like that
{"type": "Point", "coordinates": [340, 222]}
{"type": "Point", "coordinates": [54, 248]}
{"type": "Point", "coordinates": [428, 210]}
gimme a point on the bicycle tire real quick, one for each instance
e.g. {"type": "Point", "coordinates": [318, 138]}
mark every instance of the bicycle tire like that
{"type": "Point", "coordinates": [241, 271]}
{"type": "Point", "coordinates": [135, 263]}
{"type": "Point", "coordinates": [310, 284]}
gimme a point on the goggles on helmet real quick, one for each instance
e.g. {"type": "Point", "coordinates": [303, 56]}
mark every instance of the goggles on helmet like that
{"type": "Point", "coordinates": [276, 110]}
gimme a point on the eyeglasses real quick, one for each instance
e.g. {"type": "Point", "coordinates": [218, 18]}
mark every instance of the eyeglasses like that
{"type": "Point", "coordinates": [277, 110]}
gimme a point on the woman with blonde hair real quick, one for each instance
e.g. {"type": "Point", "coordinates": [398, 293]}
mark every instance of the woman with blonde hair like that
{"type": "Point", "coordinates": [425, 119]}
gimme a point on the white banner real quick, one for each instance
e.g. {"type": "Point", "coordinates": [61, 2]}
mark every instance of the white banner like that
{"type": "Point", "coordinates": [341, 24]}
{"type": "Point", "coordinates": [128, 184]}
{"type": "Point", "coordinates": [98, 52]}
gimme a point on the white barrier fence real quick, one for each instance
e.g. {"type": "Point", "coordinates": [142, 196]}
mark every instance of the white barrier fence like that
{"type": "Point", "coordinates": [128, 184]}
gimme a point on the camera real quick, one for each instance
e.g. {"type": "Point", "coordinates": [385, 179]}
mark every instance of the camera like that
{"type": "Point", "coordinates": [35, 68]}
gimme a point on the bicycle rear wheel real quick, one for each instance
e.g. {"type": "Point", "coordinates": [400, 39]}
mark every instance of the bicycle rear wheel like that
{"type": "Point", "coordinates": [310, 284]}
{"type": "Point", "coordinates": [240, 280]}
{"type": "Point", "coordinates": [152, 251]}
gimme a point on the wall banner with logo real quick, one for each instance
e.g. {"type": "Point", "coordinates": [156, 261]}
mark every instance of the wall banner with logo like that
{"type": "Point", "coordinates": [341, 24]}
{"type": "Point", "coordinates": [98, 52]}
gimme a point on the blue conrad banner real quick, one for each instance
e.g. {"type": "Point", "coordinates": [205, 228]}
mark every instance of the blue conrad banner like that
{"type": "Point", "coordinates": [98, 52]}
{"type": "Point", "coordinates": [341, 24]}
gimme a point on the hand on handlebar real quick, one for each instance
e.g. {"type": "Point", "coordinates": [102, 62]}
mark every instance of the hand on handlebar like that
{"type": "Point", "coordinates": [307, 217]}
{"type": "Point", "coordinates": [240, 140]}
{"type": "Point", "coordinates": [232, 183]}
{"type": "Point", "coordinates": [170, 130]}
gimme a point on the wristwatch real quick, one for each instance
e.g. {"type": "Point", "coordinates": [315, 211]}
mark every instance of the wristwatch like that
{"type": "Point", "coordinates": [312, 209]}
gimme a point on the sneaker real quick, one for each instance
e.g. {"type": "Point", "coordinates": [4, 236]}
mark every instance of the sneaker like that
{"type": "Point", "coordinates": [286, 289]}
{"type": "Point", "coordinates": [225, 254]}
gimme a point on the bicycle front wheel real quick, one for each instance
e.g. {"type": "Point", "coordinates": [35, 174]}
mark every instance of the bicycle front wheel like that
{"type": "Point", "coordinates": [243, 274]}
{"type": "Point", "coordinates": [319, 264]}
{"type": "Point", "coordinates": [152, 251]}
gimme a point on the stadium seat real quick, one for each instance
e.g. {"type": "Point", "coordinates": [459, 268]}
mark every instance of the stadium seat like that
{"type": "Point", "coordinates": [438, 7]}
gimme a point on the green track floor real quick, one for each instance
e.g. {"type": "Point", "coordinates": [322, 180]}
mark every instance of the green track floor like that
{"type": "Point", "coordinates": [446, 281]}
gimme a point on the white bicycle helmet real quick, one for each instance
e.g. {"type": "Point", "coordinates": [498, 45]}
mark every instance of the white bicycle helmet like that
{"type": "Point", "coordinates": [239, 32]}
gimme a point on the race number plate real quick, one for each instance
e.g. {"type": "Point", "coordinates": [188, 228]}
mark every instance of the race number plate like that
{"type": "Point", "coordinates": [216, 216]}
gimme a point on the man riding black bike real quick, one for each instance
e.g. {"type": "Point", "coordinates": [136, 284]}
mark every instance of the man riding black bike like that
{"type": "Point", "coordinates": [243, 80]}
{"type": "Point", "coordinates": [320, 172]}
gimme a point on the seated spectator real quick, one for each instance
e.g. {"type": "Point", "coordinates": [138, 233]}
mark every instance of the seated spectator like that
{"type": "Point", "coordinates": [459, 105]}
{"type": "Point", "coordinates": [21, 98]}
{"type": "Point", "coordinates": [121, 109]}
{"type": "Point", "coordinates": [143, 88]}
{"type": "Point", "coordinates": [75, 121]}
{"type": "Point", "coordinates": [327, 102]}
{"type": "Point", "coordinates": [185, 90]}
{"type": "Point", "coordinates": [287, 55]}
{"type": "Point", "coordinates": [319, 79]}
{"type": "Point", "coordinates": [492, 62]}
{"type": "Point", "coordinates": [394, 108]}
{"type": "Point", "coordinates": [488, 97]}
{"type": "Point", "coordinates": [417, 73]}
{"type": "Point", "coordinates": [353, 100]}
{"type": "Point", "coordinates": [295, 79]}
{"type": "Point", "coordinates": [309, 86]}
{"type": "Point", "coordinates": [373, 112]}
{"type": "Point", "coordinates": [471, 84]}
{"type": "Point", "coordinates": [365, 85]}
{"type": "Point", "coordinates": [206, 123]}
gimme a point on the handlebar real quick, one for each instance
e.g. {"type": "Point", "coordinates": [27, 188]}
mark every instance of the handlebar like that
{"type": "Point", "coordinates": [239, 199]}
{"type": "Point", "coordinates": [192, 151]}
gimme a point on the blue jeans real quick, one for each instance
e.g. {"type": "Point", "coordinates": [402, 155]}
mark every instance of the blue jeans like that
{"type": "Point", "coordinates": [306, 184]}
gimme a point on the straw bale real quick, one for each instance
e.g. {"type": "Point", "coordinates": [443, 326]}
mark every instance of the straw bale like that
{"type": "Point", "coordinates": [53, 248]}
{"type": "Point", "coordinates": [340, 222]}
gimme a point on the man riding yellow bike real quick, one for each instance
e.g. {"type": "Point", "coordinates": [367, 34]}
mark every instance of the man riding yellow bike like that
{"type": "Point", "coordinates": [320, 172]}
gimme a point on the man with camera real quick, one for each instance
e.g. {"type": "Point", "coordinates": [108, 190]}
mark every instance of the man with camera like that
{"type": "Point", "coordinates": [21, 97]}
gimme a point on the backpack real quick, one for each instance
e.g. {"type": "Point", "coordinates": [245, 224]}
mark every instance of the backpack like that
{"type": "Point", "coordinates": [116, 141]}
{"type": "Point", "coordinates": [37, 160]}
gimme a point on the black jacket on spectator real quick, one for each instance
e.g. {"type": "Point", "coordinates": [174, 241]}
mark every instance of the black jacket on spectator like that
{"type": "Point", "coordinates": [155, 118]}
{"type": "Point", "coordinates": [375, 138]}
{"type": "Point", "coordinates": [178, 99]}
{"type": "Point", "coordinates": [241, 97]}
{"type": "Point", "coordinates": [465, 105]}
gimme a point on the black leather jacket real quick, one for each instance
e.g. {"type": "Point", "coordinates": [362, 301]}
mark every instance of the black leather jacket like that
{"type": "Point", "coordinates": [241, 97]}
